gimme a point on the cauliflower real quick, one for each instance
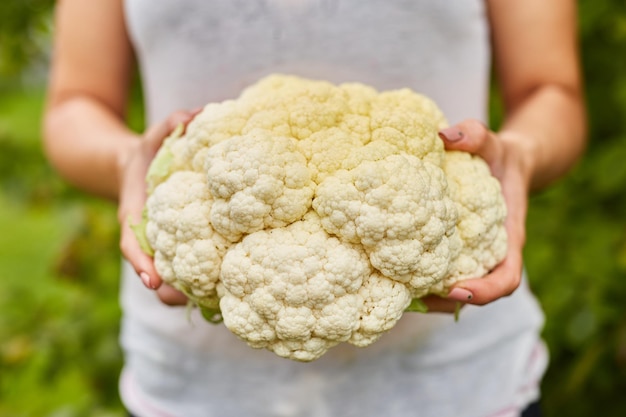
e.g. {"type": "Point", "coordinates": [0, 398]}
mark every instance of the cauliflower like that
{"type": "Point", "coordinates": [306, 214]}
{"type": "Point", "coordinates": [298, 291]}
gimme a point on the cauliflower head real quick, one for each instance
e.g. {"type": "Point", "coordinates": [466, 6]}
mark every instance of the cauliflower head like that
{"type": "Point", "coordinates": [306, 214]}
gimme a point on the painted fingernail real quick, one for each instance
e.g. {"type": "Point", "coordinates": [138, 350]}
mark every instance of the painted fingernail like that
{"type": "Point", "coordinates": [451, 134]}
{"type": "Point", "coordinates": [460, 294]}
{"type": "Point", "coordinates": [145, 278]}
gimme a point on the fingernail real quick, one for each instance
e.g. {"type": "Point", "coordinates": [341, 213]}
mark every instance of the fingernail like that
{"type": "Point", "coordinates": [451, 134]}
{"type": "Point", "coordinates": [460, 294]}
{"type": "Point", "coordinates": [145, 278]}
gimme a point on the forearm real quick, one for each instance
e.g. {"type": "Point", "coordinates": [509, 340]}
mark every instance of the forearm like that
{"type": "Point", "coordinates": [86, 142]}
{"type": "Point", "coordinates": [84, 131]}
{"type": "Point", "coordinates": [550, 127]}
{"type": "Point", "coordinates": [537, 66]}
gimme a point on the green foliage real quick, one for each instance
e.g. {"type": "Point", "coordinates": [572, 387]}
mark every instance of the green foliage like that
{"type": "Point", "coordinates": [576, 250]}
{"type": "Point", "coordinates": [24, 25]}
{"type": "Point", "coordinates": [59, 268]}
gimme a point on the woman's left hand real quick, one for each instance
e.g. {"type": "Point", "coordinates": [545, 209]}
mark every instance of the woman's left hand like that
{"type": "Point", "coordinates": [506, 156]}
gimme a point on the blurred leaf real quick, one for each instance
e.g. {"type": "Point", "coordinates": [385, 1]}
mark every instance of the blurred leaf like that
{"type": "Point", "coordinates": [24, 25]}
{"type": "Point", "coordinates": [59, 351]}
{"type": "Point", "coordinates": [16, 350]}
{"type": "Point", "coordinates": [582, 368]}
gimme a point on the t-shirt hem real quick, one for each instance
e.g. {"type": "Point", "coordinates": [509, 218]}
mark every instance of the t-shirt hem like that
{"type": "Point", "coordinates": [133, 400]}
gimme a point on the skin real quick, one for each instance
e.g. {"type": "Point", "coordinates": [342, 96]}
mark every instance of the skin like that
{"type": "Point", "coordinates": [542, 137]}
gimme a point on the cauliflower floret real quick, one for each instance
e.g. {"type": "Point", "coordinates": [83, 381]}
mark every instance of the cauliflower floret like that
{"type": "Point", "coordinates": [480, 224]}
{"type": "Point", "coordinates": [408, 232]}
{"type": "Point", "coordinates": [327, 151]}
{"type": "Point", "coordinates": [383, 302]}
{"type": "Point", "coordinates": [412, 133]}
{"type": "Point", "coordinates": [293, 290]}
{"type": "Point", "coordinates": [406, 100]}
{"type": "Point", "coordinates": [258, 181]}
{"type": "Point", "coordinates": [187, 252]}
{"type": "Point", "coordinates": [305, 108]}
{"type": "Point", "coordinates": [216, 123]}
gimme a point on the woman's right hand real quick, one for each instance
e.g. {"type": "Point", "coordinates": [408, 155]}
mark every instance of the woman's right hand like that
{"type": "Point", "coordinates": [133, 166]}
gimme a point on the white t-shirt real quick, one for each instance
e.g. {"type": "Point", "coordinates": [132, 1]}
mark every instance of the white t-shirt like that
{"type": "Point", "coordinates": [191, 52]}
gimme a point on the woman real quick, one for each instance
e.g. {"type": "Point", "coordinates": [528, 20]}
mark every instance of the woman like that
{"type": "Point", "coordinates": [191, 52]}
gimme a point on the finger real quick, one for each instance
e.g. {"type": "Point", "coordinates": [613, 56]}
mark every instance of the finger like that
{"type": "Point", "coordinates": [500, 282]}
{"type": "Point", "coordinates": [140, 261]}
{"type": "Point", "coordinates": [171, 296]}
{"type": "Point", "coordinates": [474, 137]}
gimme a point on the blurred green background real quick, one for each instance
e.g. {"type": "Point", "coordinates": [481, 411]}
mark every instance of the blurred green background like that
{"type": "Point", "coordinates": [59, 257]}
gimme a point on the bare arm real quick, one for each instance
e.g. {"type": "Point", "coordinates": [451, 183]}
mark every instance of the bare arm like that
{"type": "Point", "coordinates": [544, 130]}
{"type": "Point", "coordinates": [84, 130]}
{"type": "Point", "coordinates": [537, 66]}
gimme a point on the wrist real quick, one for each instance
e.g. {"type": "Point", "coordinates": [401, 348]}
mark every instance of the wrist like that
{"type": "Point", "coordinates": [124, 154]}
{"type": "Point", "coordinates": [523, 152]}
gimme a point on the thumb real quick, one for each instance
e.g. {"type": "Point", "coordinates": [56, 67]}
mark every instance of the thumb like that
{"type": "Point", "coordinates": [474, 137]}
